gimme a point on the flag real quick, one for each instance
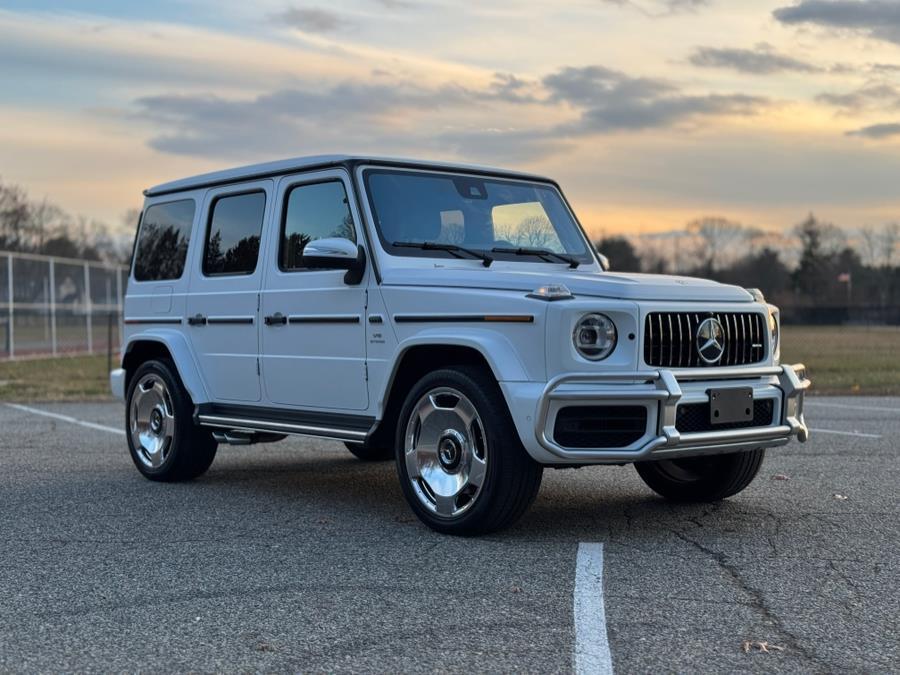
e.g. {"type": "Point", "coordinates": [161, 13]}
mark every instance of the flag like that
{"type": "Point", "coordinates": [844, 277]}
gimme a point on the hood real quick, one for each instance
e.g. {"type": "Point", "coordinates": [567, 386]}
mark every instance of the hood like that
{"type": "Point", "coordinates": [659, 287]}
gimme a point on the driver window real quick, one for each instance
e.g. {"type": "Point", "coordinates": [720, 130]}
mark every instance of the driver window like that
{"type": "Point", "coordinates": [313, 211]}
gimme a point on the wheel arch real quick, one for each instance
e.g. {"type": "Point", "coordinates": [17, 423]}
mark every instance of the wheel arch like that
{"type": "Point", "coordinates": [417, 357]}
{"type": "Point", "coordinates": [144, 347]}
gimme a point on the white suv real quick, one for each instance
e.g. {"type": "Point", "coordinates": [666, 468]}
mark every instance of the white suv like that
{"type": "Point", "coordinates": [454, 318]}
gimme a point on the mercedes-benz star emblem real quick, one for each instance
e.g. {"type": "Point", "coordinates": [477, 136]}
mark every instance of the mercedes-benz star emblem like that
{"type": "Point", "coordinates": [710, 345]}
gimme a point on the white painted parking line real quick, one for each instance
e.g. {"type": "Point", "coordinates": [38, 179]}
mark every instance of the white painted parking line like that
{"type": "Point", "coordinates": [858, 434]}
{"type": "Point", "coordinates": [850, 407]}
{"type": "Point", "coordinates": [66, 418]}
{"type": "Point", "coordinates": [592, 656]}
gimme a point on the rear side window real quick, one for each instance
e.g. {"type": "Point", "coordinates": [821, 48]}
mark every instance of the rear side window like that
{"type": "Point", "coordinates": [232, 239]}
{"type": "Point", "coordinates": [163, 241]}
{"type": "Point", "coordinates": [314, 211]}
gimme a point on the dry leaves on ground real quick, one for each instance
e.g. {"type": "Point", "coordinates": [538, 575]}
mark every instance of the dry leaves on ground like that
{"type": "Point", "coordinates": [761, 646]}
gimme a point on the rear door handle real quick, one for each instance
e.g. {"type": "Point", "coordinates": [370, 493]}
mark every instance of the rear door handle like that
{"type": "Point", "coordinates": [277, 319]}
{"type": "Point", "coordinates": [197, 320]}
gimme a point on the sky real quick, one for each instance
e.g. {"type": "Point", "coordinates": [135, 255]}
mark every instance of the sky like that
{"type": "Point", "coordinates": [650, 113]}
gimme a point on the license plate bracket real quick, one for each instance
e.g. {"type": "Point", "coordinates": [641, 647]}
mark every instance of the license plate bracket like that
{"type": "Point", "coordinates": [730, 405]}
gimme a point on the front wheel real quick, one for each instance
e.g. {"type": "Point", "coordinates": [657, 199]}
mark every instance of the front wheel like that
{"type": "Point", "coordinates": [701, 479]}
{"type": "Point", "coordinates": [164, 442]}
{"type": "Point", "coordinates": [461, 464]}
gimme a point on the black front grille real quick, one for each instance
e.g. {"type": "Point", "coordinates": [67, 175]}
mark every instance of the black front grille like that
{"type": "Point", "coordinates": [614, 426]}
{"type": "Point", "coordinates": [670, 339]}
{"type": "Point", "coordinates": [692, 418]}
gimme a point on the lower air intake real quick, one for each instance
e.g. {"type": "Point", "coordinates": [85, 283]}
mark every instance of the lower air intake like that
{"type": "Point", "coordinates": [594, 426]}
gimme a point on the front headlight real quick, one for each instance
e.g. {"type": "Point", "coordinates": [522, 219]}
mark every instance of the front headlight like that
{"type": "Point", "coordinates": [595, 336]}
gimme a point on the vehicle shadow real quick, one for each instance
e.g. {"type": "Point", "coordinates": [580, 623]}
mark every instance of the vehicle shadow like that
{"type": "Point", "coordinates": [602, 504]}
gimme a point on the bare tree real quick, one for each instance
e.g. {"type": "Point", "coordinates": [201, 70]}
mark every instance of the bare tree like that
{"type": "Point", "coordinates": [870, 243]}
{"type": "Point", "coordinates": [720, 240]}
{"type": "Point", "coordinates": [536, 232]}
{"type": "Point", "coordinates": [890, 237]}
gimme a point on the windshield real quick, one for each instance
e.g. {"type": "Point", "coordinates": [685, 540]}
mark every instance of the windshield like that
{"type": "Point", "coordinates": [480, 214]}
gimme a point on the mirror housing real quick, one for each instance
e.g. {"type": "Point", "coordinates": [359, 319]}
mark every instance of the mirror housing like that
{"type": "Point", "coordinates": [604, 261]}
{"type": "Point", "coordinates": [336, 253]}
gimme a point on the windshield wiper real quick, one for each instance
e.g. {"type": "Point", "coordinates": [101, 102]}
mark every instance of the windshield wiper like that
{"type": "Point", "coordinates": [540, 253]}
{"type": "Point", "coordinates": [453, 249]}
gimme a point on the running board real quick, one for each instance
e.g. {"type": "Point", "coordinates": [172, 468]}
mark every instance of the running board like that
{"type": "Point", "coordinates": [249, 419]}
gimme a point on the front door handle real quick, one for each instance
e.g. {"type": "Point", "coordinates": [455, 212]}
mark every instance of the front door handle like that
{"type": "Point", "coordinates": [277, 319]}
{"type": "Point", "coordinates": [197, 320]}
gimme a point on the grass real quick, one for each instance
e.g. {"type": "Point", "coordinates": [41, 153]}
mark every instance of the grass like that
{"type": "Point", "coordinates": [68, 378]}
{"type": "Point", "coordinates": [846, 360]}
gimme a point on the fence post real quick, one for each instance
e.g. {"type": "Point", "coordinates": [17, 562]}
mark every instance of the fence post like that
{"type": "Point", "coordinates": [120, 312]}
{"type": "Point", "coordinates": [53, 306]}
{"type": "Point", "coordinates": [88, 308]}
{"type": "Point", "coordinates": [109, 345]}
{"type": "Point", "coordinates": [10, 331]}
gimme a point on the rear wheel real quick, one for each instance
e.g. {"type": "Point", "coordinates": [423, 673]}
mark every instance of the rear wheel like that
{"type": "Point", "coordinates": [461, 464]}
{"type": "Point", "coordinates": [368, 453]}
{"type": "Point", "coordinates": [701, 479]}
{"type": "Point", "coordinates": [164, 442]}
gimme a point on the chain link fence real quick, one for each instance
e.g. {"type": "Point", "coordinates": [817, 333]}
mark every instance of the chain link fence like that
{"type": "Point", "coordinates": [52, 306]}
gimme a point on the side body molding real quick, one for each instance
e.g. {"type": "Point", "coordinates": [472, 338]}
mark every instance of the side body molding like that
{"type": "Point", "coordinates": [181, 353]}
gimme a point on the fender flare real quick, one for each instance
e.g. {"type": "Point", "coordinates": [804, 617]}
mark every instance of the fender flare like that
{"type": "Point", "coordinates": [496, 349]}
{"type": "Point", "coordinates": [182, 355]}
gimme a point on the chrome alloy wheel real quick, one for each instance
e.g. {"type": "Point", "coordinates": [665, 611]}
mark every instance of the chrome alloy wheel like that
{"type": "Point", "coordinates": [445, 452]}
{"type": "Point", "coordinates": [152, 421]}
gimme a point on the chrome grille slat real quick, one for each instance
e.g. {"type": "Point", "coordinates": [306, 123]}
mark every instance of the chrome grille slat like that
{"type": "Point", "coordinates": [745, 354]}
{"type": "Point", "coordinates": [669, 339]}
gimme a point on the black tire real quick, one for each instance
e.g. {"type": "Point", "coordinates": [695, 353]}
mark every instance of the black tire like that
{"type": "Point", "coordinates": [511, 478]}
{"type": "Point", "coordinates": [370, 454]}
{"type": "Point", "coordinates": [702, 479]}
{"type": "Point", "coordinates": [188, 449]}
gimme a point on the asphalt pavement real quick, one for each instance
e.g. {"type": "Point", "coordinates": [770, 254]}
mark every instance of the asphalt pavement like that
{"type": "Point", "coordinates": [296, 556]}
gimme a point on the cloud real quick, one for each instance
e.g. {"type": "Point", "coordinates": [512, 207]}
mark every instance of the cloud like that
{"type": "Point", "coordinates": [311, 19]}
{"type": "Point", "coordinates": [870, 96]}
{"type": "Point", "coordinates": [595, 99]}
{"type": "Point", "coordinates": [758, 61]}
{"type": "Point", "coordinates": [361, 114]}
{"type": "Point", "coordinates": [397, 4]}
{"type": "Point", "coordinates": [611, 101]}
{"type": "Point", "coordinates": [877, 131]}
{"type": "Point", "coordinates": [654, 6]}
{"type": "Point", "coordinates": [876, 18]}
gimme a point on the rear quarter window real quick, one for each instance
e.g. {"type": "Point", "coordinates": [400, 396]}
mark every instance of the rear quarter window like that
{"type": "Point", "coordinates": [163, 240]}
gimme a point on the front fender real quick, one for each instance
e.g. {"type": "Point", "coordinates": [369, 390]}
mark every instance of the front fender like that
{"type": "Point", "coordinates": [182, 355]}
{"type": "Point", "coordinates": [498, 350]}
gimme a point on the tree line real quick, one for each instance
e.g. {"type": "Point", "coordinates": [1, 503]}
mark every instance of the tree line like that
{"type": "Point", "coordinates": [816, 268]}
{"type": "Point", "coordinates": [30, 225]}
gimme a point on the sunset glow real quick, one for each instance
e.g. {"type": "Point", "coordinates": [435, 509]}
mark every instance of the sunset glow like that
{"type": "Point", "coordinates": [649, 112]}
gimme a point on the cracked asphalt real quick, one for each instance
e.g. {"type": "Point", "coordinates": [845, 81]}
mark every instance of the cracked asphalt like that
{"type": "Point", "coordinates": [295, 556]}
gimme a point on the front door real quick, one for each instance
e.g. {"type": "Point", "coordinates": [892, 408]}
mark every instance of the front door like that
{"type": "Point", "coordinates": [313, 336]}
{"type": "Point", "coordinates": [222, 307]}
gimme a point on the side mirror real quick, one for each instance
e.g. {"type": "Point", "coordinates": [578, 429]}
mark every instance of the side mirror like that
{"type": "Point", "coordinates": [336, 254]}
{"type": "Point", "coordinates": [604, 261]}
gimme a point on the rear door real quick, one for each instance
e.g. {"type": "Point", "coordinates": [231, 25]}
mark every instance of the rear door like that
{"type": "Point", "coordinates": [313, 337]}
{"type": "Point", "coordinates": [223, 304]}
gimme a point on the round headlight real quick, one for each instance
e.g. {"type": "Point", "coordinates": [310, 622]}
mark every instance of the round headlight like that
{"type": "Point", "coordinates": [595, 336]}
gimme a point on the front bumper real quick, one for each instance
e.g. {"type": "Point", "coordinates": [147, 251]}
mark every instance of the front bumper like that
{"type": "Point", "coordinates": [661, 391]}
